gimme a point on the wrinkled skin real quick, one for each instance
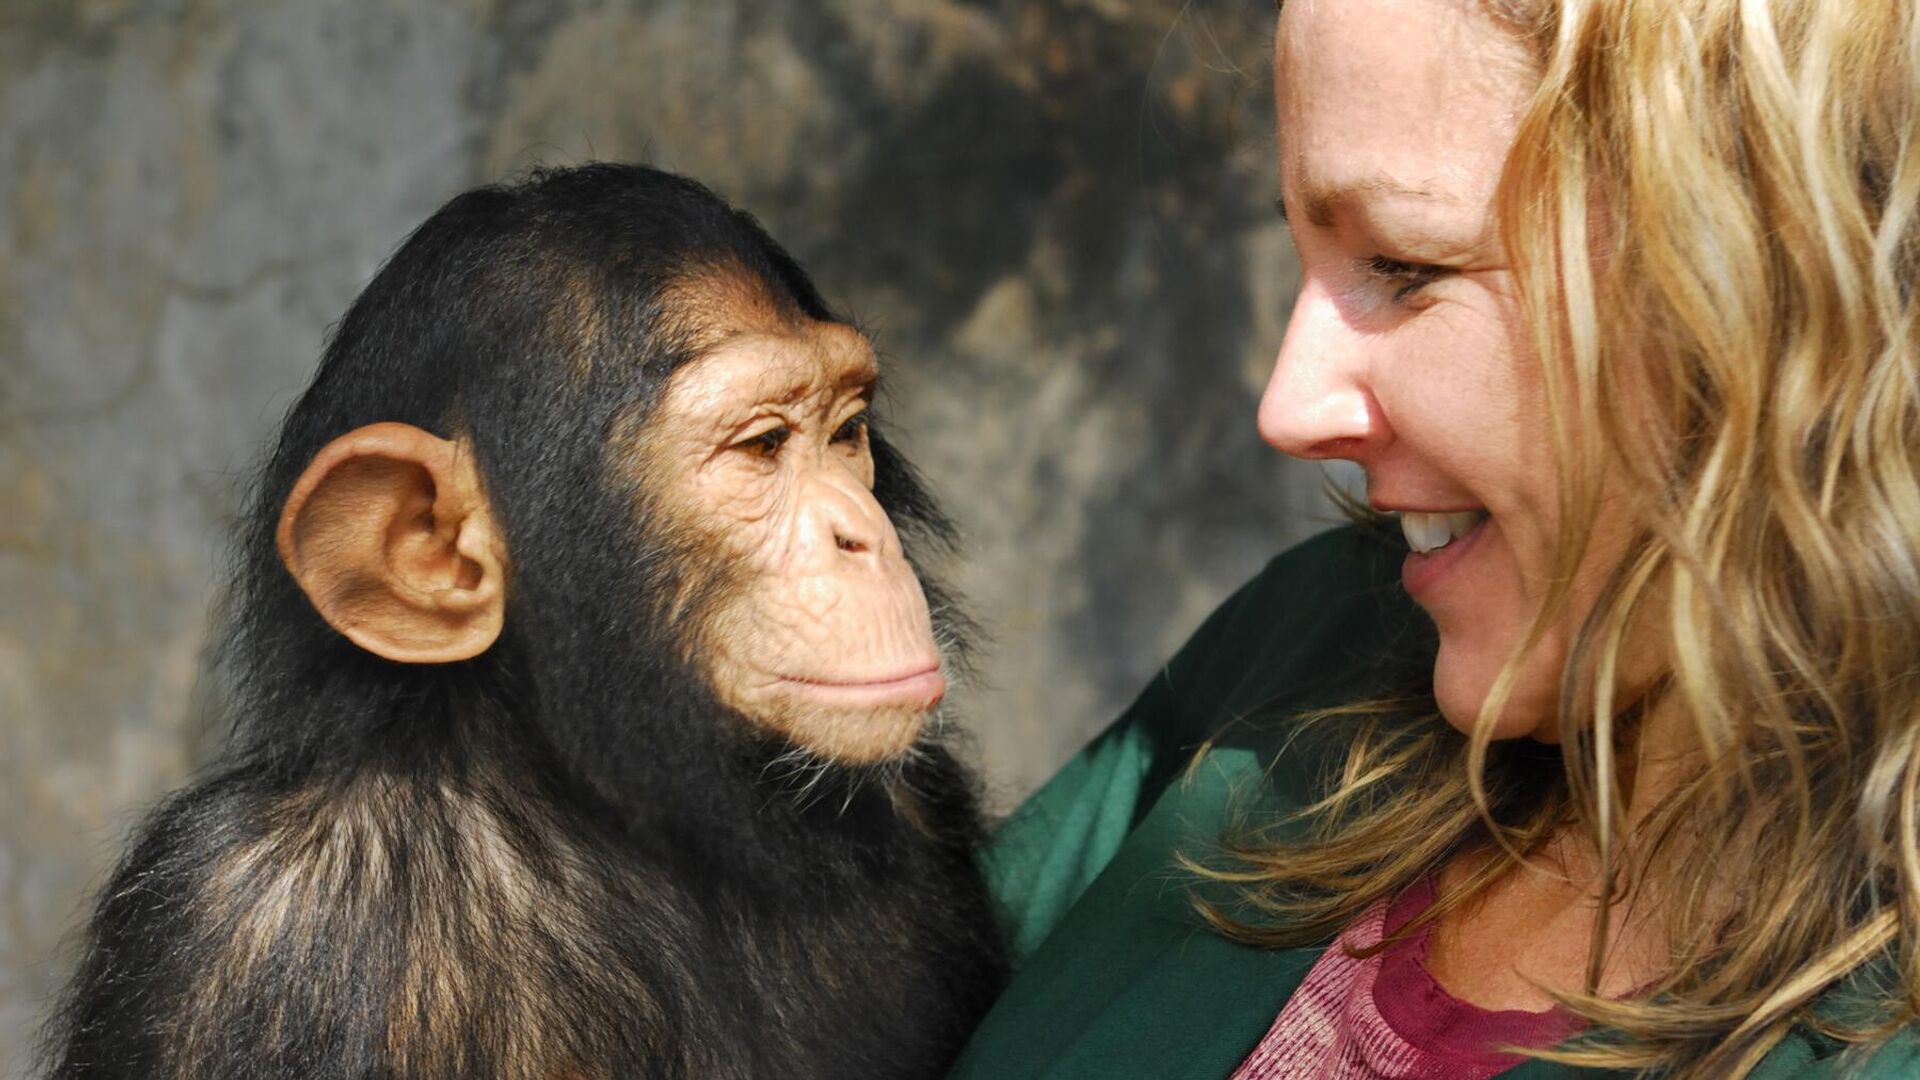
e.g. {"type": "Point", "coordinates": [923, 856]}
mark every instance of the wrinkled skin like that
{"type": "Point", "coordinates": [827, 640]}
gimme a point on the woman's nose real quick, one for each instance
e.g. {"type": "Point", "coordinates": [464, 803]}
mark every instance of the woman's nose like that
{"type": "Point", "coordinates": [1319, 402]}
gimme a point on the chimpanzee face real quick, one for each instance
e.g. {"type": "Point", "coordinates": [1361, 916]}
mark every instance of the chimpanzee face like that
{"type": "Point", "coordinates": [761, 446]}
{"type": "Point", "coordinates": [756, 451]}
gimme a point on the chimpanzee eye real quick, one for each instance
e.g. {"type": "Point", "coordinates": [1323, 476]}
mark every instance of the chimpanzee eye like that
{"type": "Point", "coordinates": [854, 428]}
{"type": "Point", "coordinates": [767, 444]}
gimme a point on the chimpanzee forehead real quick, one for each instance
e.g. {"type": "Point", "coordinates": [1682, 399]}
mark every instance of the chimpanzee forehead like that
{"type": "Point", "coordinates": [798, 366]}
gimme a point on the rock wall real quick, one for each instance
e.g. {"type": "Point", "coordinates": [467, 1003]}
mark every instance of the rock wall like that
{"type": "Point", "coordinates": [1054, 216]}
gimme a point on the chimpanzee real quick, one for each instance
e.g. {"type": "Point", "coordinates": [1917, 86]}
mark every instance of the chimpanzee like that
{"type": "Point", "coordinates": [582, 692]}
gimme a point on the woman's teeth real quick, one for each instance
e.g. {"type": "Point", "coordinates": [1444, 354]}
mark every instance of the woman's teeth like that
{"type": "Point", "coordinates": [1428, 533]}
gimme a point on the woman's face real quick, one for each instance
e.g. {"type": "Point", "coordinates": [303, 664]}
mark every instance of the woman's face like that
{"type": "Point", "coordinates": [1407, 352]}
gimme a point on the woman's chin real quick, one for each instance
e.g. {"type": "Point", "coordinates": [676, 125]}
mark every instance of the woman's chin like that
{"type": "Point", "coordinates": [1461, 691]}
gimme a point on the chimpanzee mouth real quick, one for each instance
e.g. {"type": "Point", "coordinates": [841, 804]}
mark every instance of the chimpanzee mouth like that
{"type": "Point", "coordinates": [925, 687]}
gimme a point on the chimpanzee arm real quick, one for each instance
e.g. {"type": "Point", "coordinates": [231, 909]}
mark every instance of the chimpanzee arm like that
{"type": "Point", "coordinates": [370, 931]}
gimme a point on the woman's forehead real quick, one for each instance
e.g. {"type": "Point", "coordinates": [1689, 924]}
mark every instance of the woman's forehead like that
{"type": "Point", "coordinates": [1394, 100]}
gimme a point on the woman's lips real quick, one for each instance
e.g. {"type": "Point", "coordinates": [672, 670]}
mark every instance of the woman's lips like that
{"type": "Point", "coordinates": [1423, 573]}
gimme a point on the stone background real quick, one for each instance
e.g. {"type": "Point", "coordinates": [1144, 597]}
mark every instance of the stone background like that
{"type": "Point", "coordinates": [1053, 214]}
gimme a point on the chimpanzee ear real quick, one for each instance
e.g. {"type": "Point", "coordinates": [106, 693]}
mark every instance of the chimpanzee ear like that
{"type": "Point", "coordinates": [389, 533]}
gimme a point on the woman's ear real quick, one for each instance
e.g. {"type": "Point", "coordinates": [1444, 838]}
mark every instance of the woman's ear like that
{"type": "Point", "coordinates": [389, 534]}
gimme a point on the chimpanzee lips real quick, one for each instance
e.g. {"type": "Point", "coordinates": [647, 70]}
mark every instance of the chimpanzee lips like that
{"type": "Point", "coordinates": [923, 687]}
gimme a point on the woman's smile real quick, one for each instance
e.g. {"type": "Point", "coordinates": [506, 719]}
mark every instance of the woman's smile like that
{"type": "Point", "coordinates": [1438, 542]}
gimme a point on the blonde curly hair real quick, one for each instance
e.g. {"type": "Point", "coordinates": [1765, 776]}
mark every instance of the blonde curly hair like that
{"type": "Point", "coordinates": [1713, 211]}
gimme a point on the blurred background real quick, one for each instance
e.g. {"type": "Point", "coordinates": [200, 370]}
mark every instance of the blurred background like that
{"type": "Point", "coordinates": [1054, 215]}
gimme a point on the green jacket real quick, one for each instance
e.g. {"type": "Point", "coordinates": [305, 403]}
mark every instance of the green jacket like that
{"type": "Point", "coordinates": [1115, 976]}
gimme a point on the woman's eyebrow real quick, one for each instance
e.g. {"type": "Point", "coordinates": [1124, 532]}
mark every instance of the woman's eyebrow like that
{"type": "Point", "coordinates": [1320, 198]}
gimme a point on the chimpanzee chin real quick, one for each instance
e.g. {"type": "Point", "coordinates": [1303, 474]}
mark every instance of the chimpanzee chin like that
{"type": "Point", "coordinates": [583, 694]}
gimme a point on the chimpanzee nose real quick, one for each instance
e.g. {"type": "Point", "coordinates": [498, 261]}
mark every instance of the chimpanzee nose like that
{"type": "Point", "coordinates": [859, 526]}
{"type": "Point", "coordinates": [841, 511]}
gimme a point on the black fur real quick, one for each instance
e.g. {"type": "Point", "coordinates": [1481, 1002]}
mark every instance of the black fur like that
{"type": "Point", "coordinates": [562, 858]}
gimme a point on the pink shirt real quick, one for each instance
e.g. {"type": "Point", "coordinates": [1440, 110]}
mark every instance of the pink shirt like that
{"type": "Point", "coordinates": [1385, 1016]}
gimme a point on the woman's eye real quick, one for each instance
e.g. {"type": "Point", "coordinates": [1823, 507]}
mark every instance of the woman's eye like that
{"type": "Point", "coordinates": [767, 444]}
{"type": "Point", "coordinates": [1406, 278]}
{"type": "Point", "coordinates": [855, 428]}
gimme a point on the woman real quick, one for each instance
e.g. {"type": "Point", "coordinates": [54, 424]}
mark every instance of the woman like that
{"type": "Point", "coordinates": [1615, 764]}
